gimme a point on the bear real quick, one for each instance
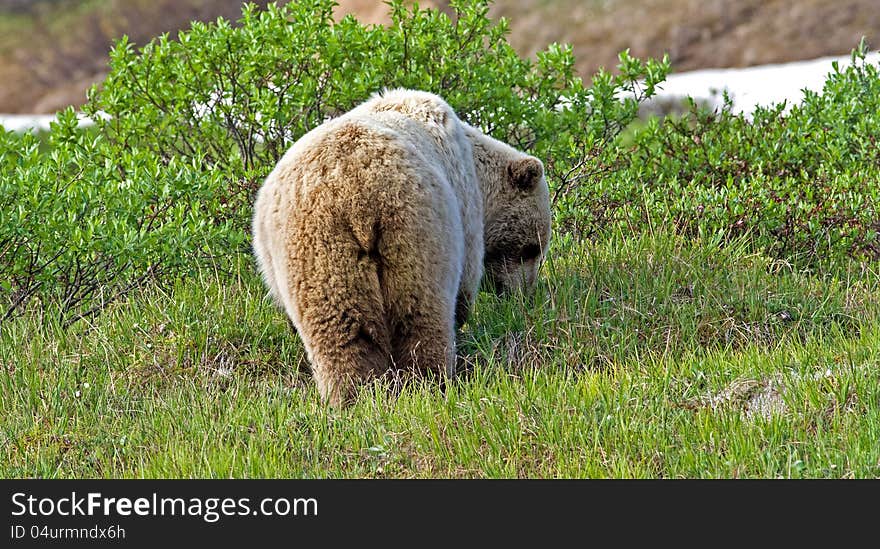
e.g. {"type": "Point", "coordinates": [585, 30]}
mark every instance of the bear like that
{"type": "Point", "coordinates": [375, 230]}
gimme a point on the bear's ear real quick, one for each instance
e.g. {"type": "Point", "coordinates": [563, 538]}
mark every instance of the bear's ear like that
{"type": "Point", "coordinates": [525, 173]}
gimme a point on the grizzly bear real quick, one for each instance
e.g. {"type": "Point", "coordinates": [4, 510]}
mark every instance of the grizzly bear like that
{"type": "Point", "coordinates": [374, 230]}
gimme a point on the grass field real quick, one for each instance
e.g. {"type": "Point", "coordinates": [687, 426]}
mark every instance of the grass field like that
{"type": "Point", "coordinates": [639, 356]}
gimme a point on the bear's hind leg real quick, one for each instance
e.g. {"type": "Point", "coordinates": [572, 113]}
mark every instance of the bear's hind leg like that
{"type": "Point", "coordinates": [425, 346]}
{"type": "Point", "coordinates": [340, 371]}
{"type": "Point", "coordinates": [341, 316]}
{"type": "Point", "coordinates": [420, 291]}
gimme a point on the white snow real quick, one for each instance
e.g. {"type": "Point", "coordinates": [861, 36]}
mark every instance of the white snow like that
{"type": "Point", "coordinates": [37, 122]}
{"type": "Point", "coordinates": [763, 85]}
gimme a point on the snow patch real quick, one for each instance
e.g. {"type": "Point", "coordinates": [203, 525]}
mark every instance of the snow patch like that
{"type": "Point", "coordinates": [763, 85]}
{"type": "Point", "coordinates": [37, 122]}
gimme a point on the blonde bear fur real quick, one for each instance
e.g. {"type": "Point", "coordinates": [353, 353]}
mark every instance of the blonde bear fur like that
{"type": "Point", "coordinates": [374, 229]}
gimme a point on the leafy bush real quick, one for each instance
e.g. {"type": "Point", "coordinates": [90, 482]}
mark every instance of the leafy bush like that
{"type": "Point", "coordinates": [186, 130]}
{"type": "Point", "coordinates": [237, 97]}
{"type": "Point", "coordinates": [86, 222]}
{"type": "Point", "coordinates": [802, 183]}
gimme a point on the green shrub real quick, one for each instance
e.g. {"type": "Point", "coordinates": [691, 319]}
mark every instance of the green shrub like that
{"type": "Point", "coordinates": [85, 223]}
{"type": "Point", "coordinates": [238, 96]}
{"type": "Point", "coordinates": [802, 183]}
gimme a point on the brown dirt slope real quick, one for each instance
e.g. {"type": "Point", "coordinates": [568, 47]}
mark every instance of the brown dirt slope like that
{"type": "Point", "coordinates": [51, 51]}
{"type": "Point", "coordinates": [695, 33]}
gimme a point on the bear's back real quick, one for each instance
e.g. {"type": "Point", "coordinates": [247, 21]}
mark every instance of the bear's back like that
{"type": "Point", "coordinates": [363, 149]}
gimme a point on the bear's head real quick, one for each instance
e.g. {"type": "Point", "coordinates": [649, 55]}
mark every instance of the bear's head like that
{"type": "Point", "coordinates": [516, 204]}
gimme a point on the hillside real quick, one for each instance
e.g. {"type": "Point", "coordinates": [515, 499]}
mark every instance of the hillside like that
{"type": "Point", "coordinates": [51, 51]}
{"type": "Point", "coordinates": [696, 33]}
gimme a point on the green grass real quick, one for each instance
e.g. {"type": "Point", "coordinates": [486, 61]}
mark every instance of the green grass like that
{"type": "Point", "coordinates": [646, 356]}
